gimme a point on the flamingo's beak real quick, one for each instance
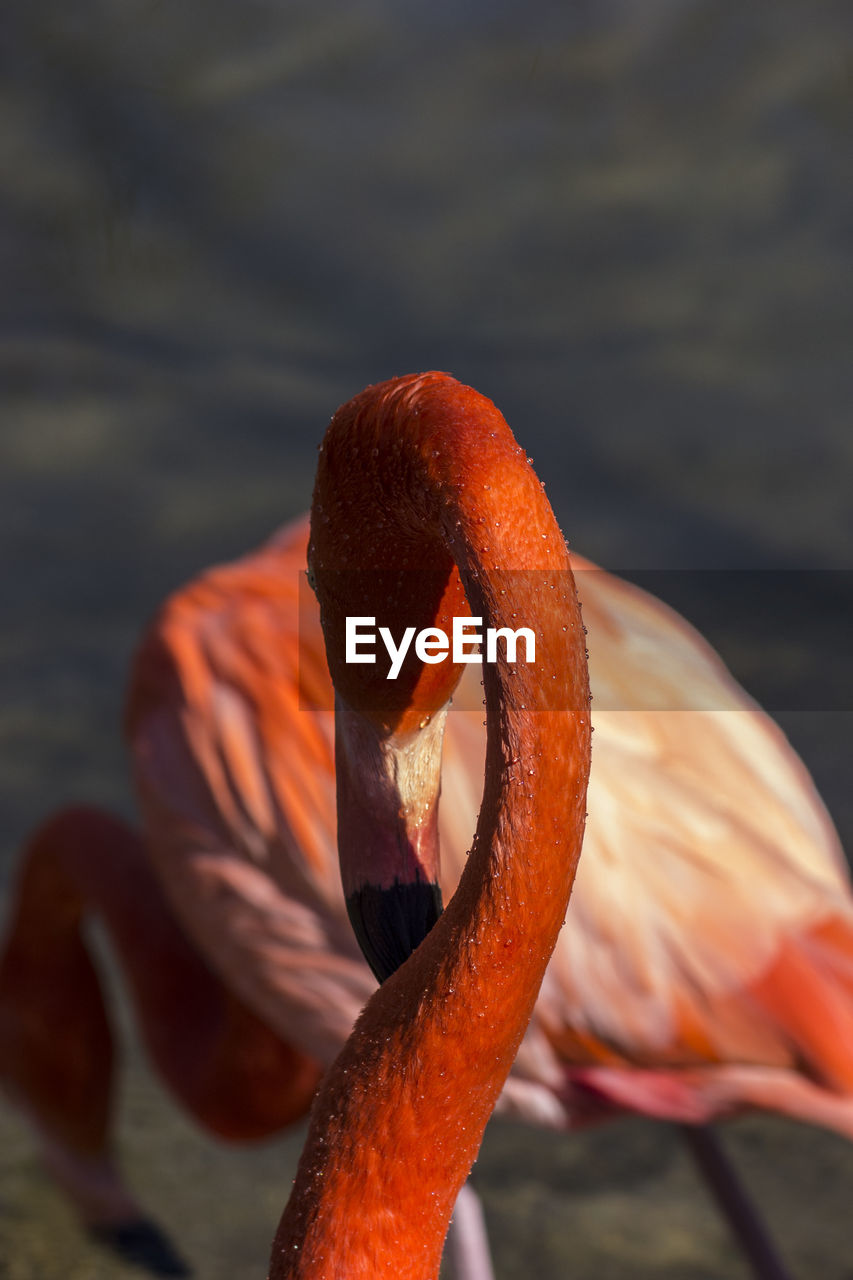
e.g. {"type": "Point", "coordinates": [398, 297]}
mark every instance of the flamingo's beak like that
{"type": "Point", "coordinates": [390, 923]}
{"type": "Point", "coordinates": [388, 789]}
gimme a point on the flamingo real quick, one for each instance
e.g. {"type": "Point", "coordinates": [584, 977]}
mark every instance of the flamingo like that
{"type": "Point", "coordinates": [704, 968]}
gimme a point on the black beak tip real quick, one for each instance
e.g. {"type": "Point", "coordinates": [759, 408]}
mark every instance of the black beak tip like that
{"type": "Point", "coordinates": [390, 923]}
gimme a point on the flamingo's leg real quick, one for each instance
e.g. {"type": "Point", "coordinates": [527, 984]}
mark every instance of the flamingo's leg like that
{"type": "Point", "coordinates": [467, 1247]}
{"type": "Point", "coordinates": [734, 1203]}
{"type": "Point", "coordinates": [56, 1045]}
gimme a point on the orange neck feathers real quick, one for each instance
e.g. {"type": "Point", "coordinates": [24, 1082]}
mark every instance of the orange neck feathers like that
{"type": "Point", "coordinates": [422, 492]}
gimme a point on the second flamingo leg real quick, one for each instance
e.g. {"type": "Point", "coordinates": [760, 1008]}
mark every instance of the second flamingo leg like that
{"type": "Point", "coordinates": [734, 1203]}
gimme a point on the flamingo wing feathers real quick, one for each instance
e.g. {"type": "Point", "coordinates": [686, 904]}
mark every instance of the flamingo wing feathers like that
{"type": "Point", "coordinates": [711, 920]}
{"type": "Point", "coordinates": [236, 785]}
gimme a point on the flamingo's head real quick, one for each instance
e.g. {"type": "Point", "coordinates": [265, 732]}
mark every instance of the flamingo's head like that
{"type": "Point", "coordinates": [378, 554]}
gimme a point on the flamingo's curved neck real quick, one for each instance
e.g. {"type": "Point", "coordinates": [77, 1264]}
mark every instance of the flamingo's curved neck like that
{"type": "Point", "coordinates": [401, 1114]}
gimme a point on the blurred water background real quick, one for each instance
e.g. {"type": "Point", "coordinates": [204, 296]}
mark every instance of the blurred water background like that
{"type": "Point", "coordinates": [631, 226]}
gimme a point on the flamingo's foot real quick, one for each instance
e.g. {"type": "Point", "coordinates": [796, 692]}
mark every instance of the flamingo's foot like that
{"type": "Point", "coordinates": [95, 1187]}
{"type": "Point", "coordinates": [143, 1244]}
